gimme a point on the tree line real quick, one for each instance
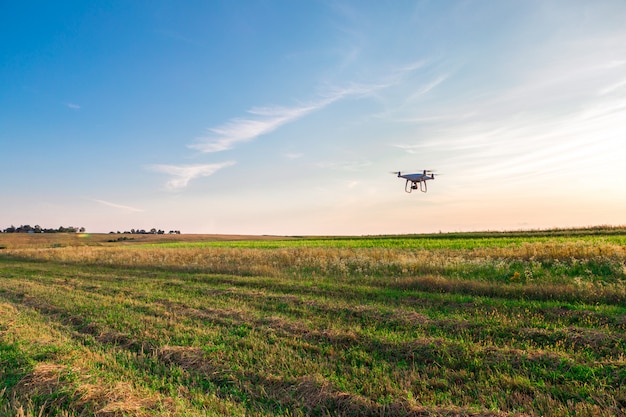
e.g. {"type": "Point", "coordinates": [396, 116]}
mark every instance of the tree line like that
{"type": "Point", "coordinates": [152, 231]}
{"type": "Point", "coordinates": [26, 228]}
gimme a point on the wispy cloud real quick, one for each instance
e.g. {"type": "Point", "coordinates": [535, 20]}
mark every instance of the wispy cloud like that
{"type": "Point", "coordinates": [263, 120]}
{"type": "Point", "coordinates": [182, 174]}
{"type": "Point", "coordinates": [293, 155]}
{"type": "Point", "coordinates": [410, 67]}
{"type": "Point", "coordinates": [427, 87]}
{"type": "Point", "coordinates": [73, 106]}
{"type": "Point", "coordinates": [118, 206]}
{"type": "Point", "coordinates": [612, 88]}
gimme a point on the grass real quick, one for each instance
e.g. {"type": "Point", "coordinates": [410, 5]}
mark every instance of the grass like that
{"type": "Point", "coordinates": [439, 325]}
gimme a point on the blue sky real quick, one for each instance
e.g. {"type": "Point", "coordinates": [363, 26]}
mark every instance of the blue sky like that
{"type": "Point", "coordinates": [287, 117]}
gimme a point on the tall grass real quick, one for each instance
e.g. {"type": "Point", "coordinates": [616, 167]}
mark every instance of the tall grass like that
{"type": "Point", "coordinates": [590, 271]}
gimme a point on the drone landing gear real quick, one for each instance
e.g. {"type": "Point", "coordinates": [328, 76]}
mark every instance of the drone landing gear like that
{"type": "Point", "coordinates": [422, 186]}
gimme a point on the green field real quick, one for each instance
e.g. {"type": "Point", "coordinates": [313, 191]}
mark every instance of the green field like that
{"type": "Point", "coordinates": [525, 323]}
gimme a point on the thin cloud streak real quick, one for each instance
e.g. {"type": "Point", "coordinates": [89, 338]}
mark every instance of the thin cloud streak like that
{"type": "Point", "coordinates": [183, 174]}
{"type": "Point", "coordinates": [265, 120]}
{"type": "Point", "coordinates": [427, 87]}
{"type": "Point", "coordinates": [245, 129]}
{"type": "Point", "coordinates": [293, 155]}
{"type": "Point", "coordinates": [612, 88]}
{"type": "Point", "coordinates": [119, 206]}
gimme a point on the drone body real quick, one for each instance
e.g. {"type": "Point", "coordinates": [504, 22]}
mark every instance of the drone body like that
{"type": "Point", "coordinates": [416, 181]}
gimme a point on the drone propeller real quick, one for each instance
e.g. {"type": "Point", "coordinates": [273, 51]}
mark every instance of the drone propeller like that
{"type": "Point", "coordinates": [425, 171]}
{"type": "Point", "coordinates": [406, 171]}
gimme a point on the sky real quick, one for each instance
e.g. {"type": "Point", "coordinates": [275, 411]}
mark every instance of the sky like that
{"type": "Point", "coordinates": [289, 117]}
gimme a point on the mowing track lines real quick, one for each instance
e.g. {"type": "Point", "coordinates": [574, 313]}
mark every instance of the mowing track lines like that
{"type": "Point", "coordinates": [450, 354]}
{"type": "Point", "coordinates": [58, 375]}
{"type": "Point", "coordinates": [122, 354]}
{"type": "Point", "coordinates": [314, 394]}
{"type": "Point", "coordinates": [428, 350]}
{"type": "Point", "coordinates": [574, 337]}
{"type": "Point", "coordinates": [323, 336]}
{"type": "Point", "coordinates": [88, 313]}
{"type": "Point", "coordinates": [600, 341]}
{"type": "Point", "coordinates": [78, 326]}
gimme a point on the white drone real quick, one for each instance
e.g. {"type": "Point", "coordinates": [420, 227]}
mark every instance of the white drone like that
{"type": "Point", "coordinates": [417, 181]}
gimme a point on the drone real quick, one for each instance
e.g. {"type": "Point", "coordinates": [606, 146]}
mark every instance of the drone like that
{"type": "Point", "coordinates": [417, 181]}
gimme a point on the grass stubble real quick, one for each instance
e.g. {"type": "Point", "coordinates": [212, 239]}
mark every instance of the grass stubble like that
{"type": "Point", "coordinates": [536, 326]}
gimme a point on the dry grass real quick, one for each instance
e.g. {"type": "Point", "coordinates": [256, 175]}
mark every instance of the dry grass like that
{"type": "Point", "coordinates": [62, 373]}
